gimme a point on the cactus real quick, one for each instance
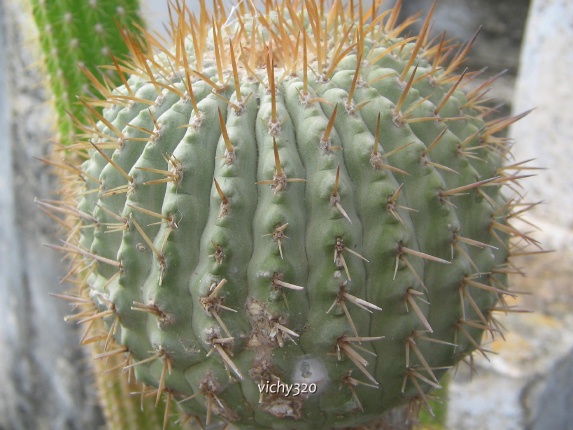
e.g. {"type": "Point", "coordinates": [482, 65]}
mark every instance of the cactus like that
{"type": "Point", "coordinates": [297, 200]}
{"type": "Point", "coordinates": [75, 38]}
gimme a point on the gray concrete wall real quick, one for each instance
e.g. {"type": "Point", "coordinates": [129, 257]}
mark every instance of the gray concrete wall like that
{"type": "Point", "coordinates": [528, 383]}
{"type": "Point", "coordinates": [44, 375]}
{"type": "Point", "coordinates": [547, 135]}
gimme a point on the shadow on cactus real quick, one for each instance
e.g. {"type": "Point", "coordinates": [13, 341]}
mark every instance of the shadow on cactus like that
{"type": "Point", "coordinates": [292, 218]}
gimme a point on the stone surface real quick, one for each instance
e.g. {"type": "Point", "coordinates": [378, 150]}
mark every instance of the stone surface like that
{"type": "Point", "coordinates": [501, 24]}
{"type": "Point", "coordinates": [44, 373]}
{"type": "Point", "coordinates": [528, 384]}
{"type": "Point", "coordinates": [527, 380]}
{"type": "Point", "coordinates": [545, 84]}
{"type": "Point", "coordinates": [549, 400]}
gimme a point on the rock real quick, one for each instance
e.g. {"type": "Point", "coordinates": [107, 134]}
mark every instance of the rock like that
{"type": "Point", "coordinates": [510, 389]}
{"type": "Point", "coordinates": [502, 24]}
{"type": "Point", "coordinates": [544, 84]}
{"type": "Point", "coordinates": [528, 383]}
{"type": "Point", "coordinates": [44, 374]}
{"type": "Point", "coordinates": [548, 401]}
{"type": "Point", "coordinates": [500, 394]}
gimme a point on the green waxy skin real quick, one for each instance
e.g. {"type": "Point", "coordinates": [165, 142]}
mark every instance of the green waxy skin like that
{"type": "Point", "coordinates": [76, 35]}
{"type": "Point", "coordinates": [255, 223]}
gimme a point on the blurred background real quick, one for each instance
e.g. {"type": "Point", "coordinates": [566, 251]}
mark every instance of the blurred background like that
{"type": "Point", "coordinates": [526, 384]}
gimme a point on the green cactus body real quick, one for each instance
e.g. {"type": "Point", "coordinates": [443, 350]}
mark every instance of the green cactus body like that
{"type": "Point", "coordinates": [299, 198]}
{"type": "Point", "coordinates": [75, 37]}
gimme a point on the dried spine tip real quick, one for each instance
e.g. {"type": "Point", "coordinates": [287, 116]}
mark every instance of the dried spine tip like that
{"type": "Point", "coordinates": [279, 181]}
{"type": "Point", "coordinates": [325, 139]}
{"type": "Point", "coordinates": [230, 155]}
{"type": "Point", "coordinates": [278, 282]}
{"type": "Point", "coordinates": [409, 298]}
{"type": "Point", "coordinates": [278, 235]}
{"type": "Point", "coordinates": [345, 345]}
{"type": "Point", "coordinates": [339, 257]}
{"type": "Point", "coordinates": [224, 210]}
{"type": "Point", "coordinates": [335, 197]}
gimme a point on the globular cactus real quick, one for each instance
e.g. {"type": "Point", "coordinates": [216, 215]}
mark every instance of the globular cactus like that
{"type": "Point", "coordinates": [296, 196]}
